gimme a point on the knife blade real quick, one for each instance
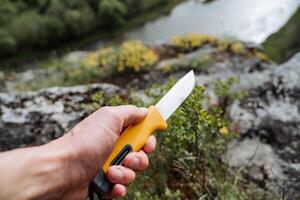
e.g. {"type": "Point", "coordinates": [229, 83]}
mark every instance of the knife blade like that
{"type": "Point", "coordinates": [135, 137]}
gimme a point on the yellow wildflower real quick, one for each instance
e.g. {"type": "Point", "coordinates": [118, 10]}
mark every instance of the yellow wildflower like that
{"type": "Point", "coordinates": [224, 131]}
{"type": "Point", "coordinates": [237, 47]}
{"type": "Point", "coordinates": [192, 40]}
{"type": "Point", "coordinates": [261, 55]}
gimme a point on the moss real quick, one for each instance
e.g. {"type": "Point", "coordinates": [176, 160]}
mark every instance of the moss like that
{"type": "Point", "coordinates": [282, 45]}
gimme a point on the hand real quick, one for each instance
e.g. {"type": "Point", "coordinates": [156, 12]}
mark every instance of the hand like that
{"type": "Point", "coordinates": [63, 168]}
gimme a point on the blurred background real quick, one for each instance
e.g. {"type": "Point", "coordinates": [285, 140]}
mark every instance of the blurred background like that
{"type": "Point", "coordinates": [62, 59]}
{"type": "Point", "coordinates": [29, 27]}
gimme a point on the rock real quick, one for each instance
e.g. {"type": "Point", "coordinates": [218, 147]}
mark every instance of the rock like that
{"type": "Point", "coordinates": [261, 160]}
{"type": "Point", "coordinates": [271, 114]}
{"type": "Point", "coordinates": [33, 118]}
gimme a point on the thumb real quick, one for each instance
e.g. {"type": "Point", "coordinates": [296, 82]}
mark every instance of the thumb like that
{"type": "Point", "coordinates": [130, 114]}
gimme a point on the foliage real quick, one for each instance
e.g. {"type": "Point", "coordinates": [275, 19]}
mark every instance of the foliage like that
{"type": "Point", "coordinates": [7, 43]}
{"type": "Point", "coordinates": [283, 44]}
{"type": "Point", "coordinates": [224, 89]}
{"type": "Point", "coordinates": [33, 24]}
{"type": "Point", "coordinates": [130, 56]}
{"type": "Point", "coordinates": [192, 40]}
{"type": "Point", "coordinates": [112, 11]}
{"type": "Point", "coordinates": [237, 47]}
{"type": "Point", "coordinates": [187, 163]}
{"type": "Point", "coordinates": [198, 63]}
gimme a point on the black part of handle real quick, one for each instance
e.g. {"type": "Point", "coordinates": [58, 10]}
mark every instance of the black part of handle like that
{"type": "Point", "coordinates": [100, 183]}
{"type": "Point", "coordinates": [118, 160]}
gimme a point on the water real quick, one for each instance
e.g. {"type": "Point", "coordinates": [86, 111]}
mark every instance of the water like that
{"type": "Point", "coordinates": [247, 20]}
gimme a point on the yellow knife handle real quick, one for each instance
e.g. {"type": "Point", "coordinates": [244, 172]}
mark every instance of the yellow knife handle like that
{"type": "Point", "coordinates": [132, 139]}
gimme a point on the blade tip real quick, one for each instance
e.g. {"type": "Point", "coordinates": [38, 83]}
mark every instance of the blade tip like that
{"type": "Point", "coordinates": [192, 74]}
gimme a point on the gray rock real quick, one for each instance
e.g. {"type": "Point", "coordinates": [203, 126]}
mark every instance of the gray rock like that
{"type": "Point", "coordinates": [33, 118]}
{"type": "Point", "coordinates": [257, 156]}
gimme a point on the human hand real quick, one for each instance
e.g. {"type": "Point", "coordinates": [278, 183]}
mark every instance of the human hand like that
{"type": "Point", "coordinates": [94, 139]}
{"type": "Point", "coordinates": [64, 168]}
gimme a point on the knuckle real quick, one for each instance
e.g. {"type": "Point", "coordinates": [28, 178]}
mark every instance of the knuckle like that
{"type": "Point", "coordinates": [110, 112]}
{"type": "Point", "coordinates": [107, 110]}
{"type": "Point", "coordinates": [132, 107]}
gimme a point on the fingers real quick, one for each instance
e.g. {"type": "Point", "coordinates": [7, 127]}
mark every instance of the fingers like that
{"type": "Point", "coordinates": [137, 161]}
{"type": "Point", "coordinates": [124, 175]}
{"type": "Point", "coordinates": [131, 114]}
{"type": "Point", "coordinates": [117, 191]}
{"type": "Point", "coordinates": [120, 174]}
{"type": "Point", "coordinates": [150, 144]}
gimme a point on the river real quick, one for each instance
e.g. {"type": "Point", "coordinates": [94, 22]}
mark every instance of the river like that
{"type": "Point", "coordinates": [247, 20]}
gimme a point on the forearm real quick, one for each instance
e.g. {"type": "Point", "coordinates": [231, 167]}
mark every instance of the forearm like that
{"type": "Point", "coordinates": [32, 173]}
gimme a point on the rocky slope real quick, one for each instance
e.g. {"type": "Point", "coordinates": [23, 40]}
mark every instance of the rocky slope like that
{"type": "Point", "coordinates": [268, 117]}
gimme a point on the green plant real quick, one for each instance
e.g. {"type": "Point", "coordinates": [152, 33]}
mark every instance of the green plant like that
{"type": "Point", "coordinates": [7, 43]}
{"type": "Point", "coordinates": [112, 11]}
{"type": "Point", "coordinates": [223, 89]}
{"type": "Point", "coordinates": [192, 41]}
{"type": "Point", "coordinates": [131, 56]}
{"type": "Point", "coordinates": [187, 163]}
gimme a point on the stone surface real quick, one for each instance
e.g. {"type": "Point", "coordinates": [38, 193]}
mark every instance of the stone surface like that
{"type": "Point", "coordinates": [33, 118]}
{"type": "Point", "coordinates": [270, 114]}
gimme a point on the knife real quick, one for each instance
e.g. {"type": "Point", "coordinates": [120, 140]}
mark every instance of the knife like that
{"type": "Point", "coordinates": [135, 136]}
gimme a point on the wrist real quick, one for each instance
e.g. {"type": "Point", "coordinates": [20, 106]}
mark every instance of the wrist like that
{"type": "Point", "coordinates": [32, 173]}
{"type": "Point", "coordinates": [46, 172]}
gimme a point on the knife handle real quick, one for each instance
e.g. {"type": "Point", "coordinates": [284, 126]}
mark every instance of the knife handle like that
{"type": "Point", "coordinates": [132, 139]}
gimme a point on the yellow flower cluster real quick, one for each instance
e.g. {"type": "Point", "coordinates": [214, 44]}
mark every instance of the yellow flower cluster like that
{"type": "Point", "coordinates": [223, 45]}
{"type": "Point", "coordinates": [237, 47]}
{"type": "Point", "coordinates": [260, 55]}
{"type": "Point", "coordinates": [91, 59]}
{"type": "Point", "coordinates": [192, 40]}
{"type": "Point", "coordinates": [134, 55]}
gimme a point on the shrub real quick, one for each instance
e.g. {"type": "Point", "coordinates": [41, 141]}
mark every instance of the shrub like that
{"type": "Point", "coordinates": [7, 11]}
{"type": "Point", "coordinates": [7, 43]}
{"type": "Point", "coordinates": [130, 56]}
{"type": "Point", "coordinates": [192, 41]}
{"type": "Point", "coordinates": [187, 163]}
{"type": "Point", "coordinates": [237, 47]}
{"type": "Point", "coordinates": [79, 21]}
{"type": "Point", "coordinates": [28, 28]}
{"type": "Point", "coordinates": [112, 12]}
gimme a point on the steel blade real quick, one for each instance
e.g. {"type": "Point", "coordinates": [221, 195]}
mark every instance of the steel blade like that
{"type": "Point", "coordinates": [168, 104]}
